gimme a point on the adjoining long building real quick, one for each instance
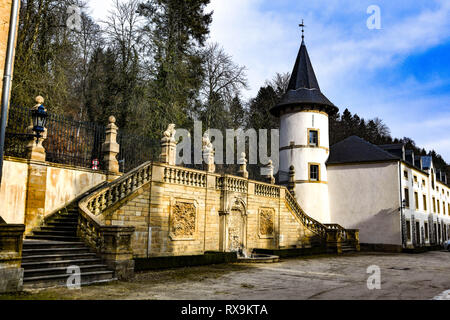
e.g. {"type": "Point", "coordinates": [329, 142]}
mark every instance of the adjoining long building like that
{"type": "Point", "coordinates": [396, 199]}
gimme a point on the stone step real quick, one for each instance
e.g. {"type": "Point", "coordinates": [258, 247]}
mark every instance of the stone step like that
{"type": "Point", "coordinates": [71, 233]}
{"type": "Point", "coordinates": [54, 238]}
{"type": "Point", "coordinates": [53, 251]}
{"type": "Point", "coordinates": [61, 219]}
{"type": "Point", "coordinates": [58, 257]}
{"type": "Point", "coordinates": [45, 244]}
{"type": "Point", "coordinates": [62, 224]}
{"type": "Point", "coordinates": [58, 228]}
{"type": "Point", "coordinates": [32, 273]}
{"type": "Point", "coordinates": [59, 264]}
{"type": "Point", "coordinates": [61, 280]}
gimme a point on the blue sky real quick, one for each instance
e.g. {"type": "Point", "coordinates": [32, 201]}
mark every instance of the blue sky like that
{"type": "Point", "coordinates": [400, 73]}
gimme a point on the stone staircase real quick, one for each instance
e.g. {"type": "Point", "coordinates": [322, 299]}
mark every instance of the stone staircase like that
{"type": "Point", "coordinates": [348, 248]}
{"type": "Point", "coordinates": [54, 247]}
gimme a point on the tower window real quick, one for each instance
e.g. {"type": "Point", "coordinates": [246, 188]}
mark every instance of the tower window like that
{"type": "Point", "coordinates": [314, 172]}
{"type": "Point", "coordinates": [313, 138]}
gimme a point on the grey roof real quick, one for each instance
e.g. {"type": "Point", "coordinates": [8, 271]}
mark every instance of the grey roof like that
{"type": "Point", "coordinates": [355, 149]}
{"type": "Point", "coordinates": [303, 88]}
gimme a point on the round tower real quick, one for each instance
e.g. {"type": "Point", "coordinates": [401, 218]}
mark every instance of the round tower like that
{"type": "Point", "coordinates": [304, 137]}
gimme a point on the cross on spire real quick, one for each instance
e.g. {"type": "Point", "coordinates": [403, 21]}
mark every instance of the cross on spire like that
{"type": "Point", "coordinates": [302, 25]}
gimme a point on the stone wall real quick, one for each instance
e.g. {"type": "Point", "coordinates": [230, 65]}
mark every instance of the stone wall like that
{"type": "Point", "coordinates": [187, 212]}
{"type": "Point", "coordinates": [31, 190]}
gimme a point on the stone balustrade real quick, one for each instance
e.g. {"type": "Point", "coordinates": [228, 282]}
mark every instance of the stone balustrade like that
{"type": "Point", "coordinates": [266, 190]}
{"type": "Point", "coordinates": [113, 243]}
{"type": "Point", "coordinates": [307, 221]}
{"type": "Point", "coordinates": [119, 189]}
{"type": "Point", "coordinates": [231, 183]}
{"type": "Point", "coordinates": [184, 176]}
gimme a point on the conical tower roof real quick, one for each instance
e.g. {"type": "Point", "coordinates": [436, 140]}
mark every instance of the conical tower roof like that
{"type": "Point", "coordinates": [303, 90]}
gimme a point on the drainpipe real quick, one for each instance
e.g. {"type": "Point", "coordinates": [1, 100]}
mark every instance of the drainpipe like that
{"type": "Point", "coordinates": [7, 77]}
{"type": "Point", "coordinates": [401, 203]}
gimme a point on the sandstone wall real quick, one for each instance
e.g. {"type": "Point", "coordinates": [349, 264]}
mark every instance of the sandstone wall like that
{"type": "Point", "coordinates": [186, 217]}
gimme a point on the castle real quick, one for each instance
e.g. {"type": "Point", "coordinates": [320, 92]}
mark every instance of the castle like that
{"type": "Point", "coordinates": [111, 223]}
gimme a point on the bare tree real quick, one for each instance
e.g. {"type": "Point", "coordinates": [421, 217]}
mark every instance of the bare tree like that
{"type": "Point", "coordinates": [280, 83]}
{"type": "Point", "coordinates": [223, 81]}
{"type": "Point", "coordinates": [223, 77]}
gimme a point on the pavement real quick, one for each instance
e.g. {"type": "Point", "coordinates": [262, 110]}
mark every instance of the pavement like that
{"type": "Point", "coordinates": [359, 276]}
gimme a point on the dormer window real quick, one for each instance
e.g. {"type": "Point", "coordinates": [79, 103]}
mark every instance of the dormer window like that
{"type": "Point", "coordinates": [313, 138]}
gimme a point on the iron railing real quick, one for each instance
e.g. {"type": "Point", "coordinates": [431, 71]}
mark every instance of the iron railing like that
{"type": "Point", "coordinates": [76, 143]}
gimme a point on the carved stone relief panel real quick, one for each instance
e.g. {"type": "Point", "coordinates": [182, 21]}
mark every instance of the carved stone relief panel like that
{"type": "Point", "coordinates": [183, 220]}
{"type": "Point", "coordinates": [266, 225]}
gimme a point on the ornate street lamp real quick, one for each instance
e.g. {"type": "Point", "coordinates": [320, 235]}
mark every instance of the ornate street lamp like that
{"type": "Point", "coordinates": [39, 117]}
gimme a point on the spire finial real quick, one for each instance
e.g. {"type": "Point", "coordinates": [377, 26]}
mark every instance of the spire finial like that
{"type": "Point", "coordinates": [302, 25]}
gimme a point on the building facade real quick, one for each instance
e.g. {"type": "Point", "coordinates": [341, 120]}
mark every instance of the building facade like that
{"type": "Point", "coordinates": [395, 199]}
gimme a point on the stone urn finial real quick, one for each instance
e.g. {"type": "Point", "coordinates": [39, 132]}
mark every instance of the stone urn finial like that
{"type": "Point", "coordinates": [268, 172]}
{"type": "Point", "coordinates": [39, 100]}
{"type": "Point", "coordinates": [291, 182]}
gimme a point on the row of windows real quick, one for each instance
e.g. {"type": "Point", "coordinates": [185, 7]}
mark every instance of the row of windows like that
{"type": "Point", "coordinates": [436, 203]}
{"type": "Point", "coordinates": [424, 184]}
{"type": "Point", "coordinates": [442, 232]}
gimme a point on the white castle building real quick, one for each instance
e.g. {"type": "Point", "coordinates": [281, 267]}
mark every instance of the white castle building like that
{"type": "Point", "coordinates": [397, 200]}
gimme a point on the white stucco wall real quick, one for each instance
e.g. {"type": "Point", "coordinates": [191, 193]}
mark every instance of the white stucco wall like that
{"type": "Point", "coordinates": [13, 191]}
{"type": "Point", "coordinates": [312, 196]}
{"type": "Point", "coordinates": [366, 197]}
{"type": "Point", "coordinates": [64, 185]}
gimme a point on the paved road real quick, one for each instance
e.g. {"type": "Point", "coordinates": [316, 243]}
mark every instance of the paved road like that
{"type": "Point", "coordinates": [403, 276]}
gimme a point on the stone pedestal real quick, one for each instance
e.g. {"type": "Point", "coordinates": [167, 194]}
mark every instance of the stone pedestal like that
{"type": "Point", "coordinates": [36, 193]}
{"type": "Point", "coordinates": [208, 157]}
{"type": "Point", "coordinates": [243, 166]}
{"type": "Point", "coordinates": [11, 274]}
{"type": "Point", "coordinates": [353, 238]}
{"type": "Point", "coordinates": [116, 250]}
{"type": "Point", "coordinates": [111, 149]}
{"type": "Point", "coordinates": [334, 241]}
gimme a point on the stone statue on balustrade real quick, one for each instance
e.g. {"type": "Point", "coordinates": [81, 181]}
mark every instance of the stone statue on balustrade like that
{"type": "Point", "coordinates": [168, 146]}
{"type": "Point", "coordinates": [208, 154]}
